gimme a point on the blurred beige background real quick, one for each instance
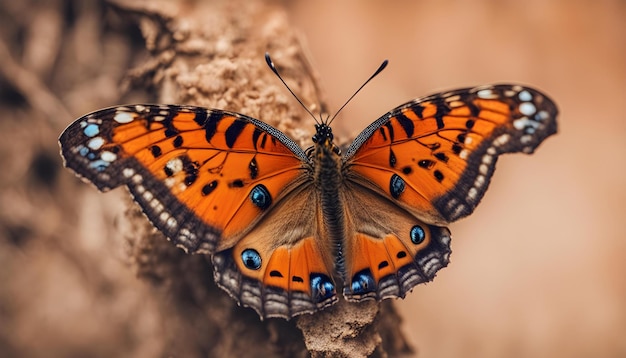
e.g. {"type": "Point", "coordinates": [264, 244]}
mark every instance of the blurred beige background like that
{"type": "Point", "coordinates": [537, 271]}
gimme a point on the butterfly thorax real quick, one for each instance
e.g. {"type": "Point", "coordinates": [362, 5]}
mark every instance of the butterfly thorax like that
{"type": "Point", "coordinates": [328, 179]}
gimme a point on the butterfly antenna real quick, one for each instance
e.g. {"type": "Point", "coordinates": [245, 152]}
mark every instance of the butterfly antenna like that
{"type": "Point", "coordinates": [379, 70]}
{"type": "Point", "coordinates": [273, 68]}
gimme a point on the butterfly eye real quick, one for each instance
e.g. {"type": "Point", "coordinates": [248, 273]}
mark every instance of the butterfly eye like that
{"type": "Point", "coordinates": [261, 197]}
{"type": "Point", "coordinates": [251, 259]}
{"type": "Point", "coordinates": [321, 287]}
{"type": "Point", "coordinates": [417, 235]}
{"type": "Point", "coordinates": [396, 186]}
{"type": "Point", "coordinates": [363, 282]}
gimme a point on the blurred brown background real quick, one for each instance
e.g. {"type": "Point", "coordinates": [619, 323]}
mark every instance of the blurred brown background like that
{"type": "Point", "coordinates": [537, 271]}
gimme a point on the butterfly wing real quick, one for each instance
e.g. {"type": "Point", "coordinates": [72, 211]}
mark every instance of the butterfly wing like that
{"type": "Point", "coordinates": [435, 156]}
{"type": "Point", "coordinates": [203, 177]}
{"type": "Point", "coordinates": [388, 249]}
{"type": "Point", "coordinates": [283, 267]}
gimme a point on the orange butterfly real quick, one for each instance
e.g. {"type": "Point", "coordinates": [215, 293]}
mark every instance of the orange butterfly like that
{"type": "Point", "coordinates": [288, 228]}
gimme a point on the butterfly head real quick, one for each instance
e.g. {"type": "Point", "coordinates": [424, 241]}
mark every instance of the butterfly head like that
{"type": "Point", "coordinates": [324, 137]}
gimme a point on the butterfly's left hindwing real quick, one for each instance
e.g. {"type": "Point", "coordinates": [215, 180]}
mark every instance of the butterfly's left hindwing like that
{"type": "Point", "coordinates": [435, 156]}
{"type": "Point", "coordinates": [202, 177]}
{"type": "Point", "coordinates": [284, 266]}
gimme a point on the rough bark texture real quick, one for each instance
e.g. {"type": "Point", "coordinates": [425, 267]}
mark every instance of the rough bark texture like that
{"type": "Point", "coordinates": [208, 54]}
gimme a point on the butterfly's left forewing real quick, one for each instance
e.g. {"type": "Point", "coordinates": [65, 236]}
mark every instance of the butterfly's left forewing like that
{"type": "Point", "coordinates": [203, 177]}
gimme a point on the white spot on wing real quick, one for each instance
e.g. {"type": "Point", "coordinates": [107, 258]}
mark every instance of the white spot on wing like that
{"type": "Point", "coordinates": [108, 156]}
{"type": "Point", "coordinates": [525, 96]}
{"type": "Point", "coordinates": [520, 123]}
{"type": "Point", "coordinates": [171, 223]}
{"type": "Point", "coordinates": [123, 117]}
{"type": "Point", "coordinates": [147, 196]}
{"type": "Point", "coordinates": [542, 115]}
{"type": "Point", "coordinates": [137, 179]}
{"type": "Point", "coordinates": [175, 165]}
{"type": "Point", "coordinates": [95, 143]}
{"type": "Point", "coordinates": [472, 193]}
{"type": "Point", "coordinates": [480, 181]}
{"type": "Point", "coordinates": [169, 182]}
{"type": "Point", "coordinates": [486, 94]}
{"type": "Point", "coordinates": [527, 109]}
{"type": "Point", "coordinates": [501, 140]}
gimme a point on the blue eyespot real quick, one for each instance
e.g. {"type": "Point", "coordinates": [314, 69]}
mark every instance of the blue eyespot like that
{"type": "Point", "coordinates": [251, 259]}
{"type": "Point", "coordinates": [322, 287]}
{"type": "Point", "coordinates": [91, 130]}
{"type": "Point", "coordinates": [396, 186]}
{"type": "Point", "coordinates": [363, 282]}
{"type": "Point", "coordinates": [261, 197]}
{"type": "Point", "coordinates": [417, 234]}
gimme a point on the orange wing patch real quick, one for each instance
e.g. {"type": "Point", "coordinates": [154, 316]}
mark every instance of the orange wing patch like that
{"type": "Point", "coordinates": [200, 175]}
{"type": "Point", "coordinates": [436, 155]}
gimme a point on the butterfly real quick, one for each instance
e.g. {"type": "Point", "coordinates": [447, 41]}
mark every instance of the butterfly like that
{"type": "Point", "coordinates": [289, 230]}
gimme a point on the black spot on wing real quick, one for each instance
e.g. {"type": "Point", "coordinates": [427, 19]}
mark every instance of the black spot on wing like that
{"type": "Point", "coordinates": [406, 124]}
{"type": "Point", "coordinates": [178, 141]}
{"type": "Point", "coordinates": [419, 110]}
{"type": "Point", "coordinates": [390, 130]}
{"type": "Point", "coordinates": [442, 110]}
{"type": "Point", "coordinates": [170, 131]}
{"type": "Point", "coordinates": [263, 140]}
{"type": "Point", "coordinates": [425, 163]}
{"type": "Point", "coordinates": [474, 110]}
{"type": "Point", "coordinates": [155, 150]}
{"type": "Point", "coordinates": [200, 118]}
{"type": "Point", "coordinates": [210, 125]}
{"type": "Point", "coordinates": [253, 168]}
{"type": "Point", "coordinates": [233, 131]}
{"type": "Point", "coordinates": [441, 156]}
{"type": "Point", "coordinates": [208, 188]}
{"type": "Point", "coordinates": [255, 136]}
{"type": "Point", "coordinates": [392, 159]}
{"type": "Point", "coordinates": [438, 175]}
{"type": "Point", "coordinates": [382, 133]}
{"type": "Point", "coordinates": [237, 183]}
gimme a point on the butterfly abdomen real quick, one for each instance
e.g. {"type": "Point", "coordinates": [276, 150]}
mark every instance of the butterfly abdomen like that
{"type": "Point", "coordinates": [328, 179]}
